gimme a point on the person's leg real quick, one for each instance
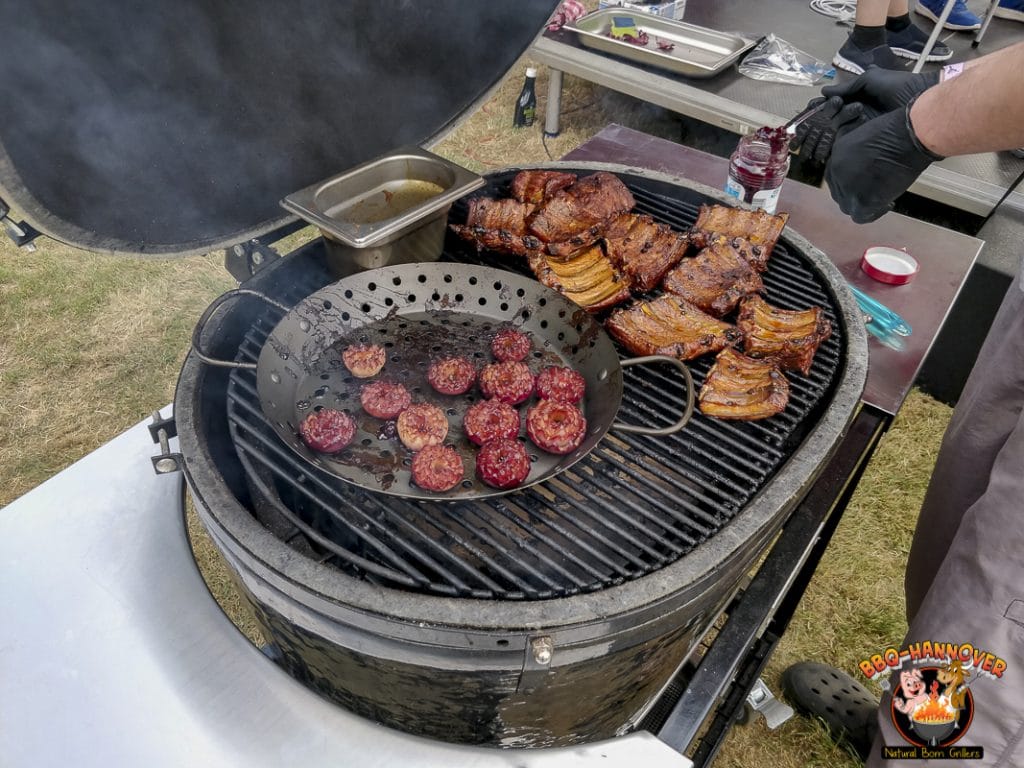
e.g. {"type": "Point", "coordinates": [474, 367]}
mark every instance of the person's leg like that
{"type": "Point", "coordinates": [985, 415]}
{"type": "Point", "coordinates": [977, 597]}
{"type": "Point", "coordinates": [882, 31]}
{"type": "Point", "coordinates": [907, 39]}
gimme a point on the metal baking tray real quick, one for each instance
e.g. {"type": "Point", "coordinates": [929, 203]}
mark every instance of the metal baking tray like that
{"type": "Point", "coordinates": [697, 51]}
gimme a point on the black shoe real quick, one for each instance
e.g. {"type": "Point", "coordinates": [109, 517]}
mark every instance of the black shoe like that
{"type": "Point", "coordinates": [909, 43]}
{"type": "Point", "coordinates": [856, 60]}
{"type": "Point", "coordinates": [847, 707]}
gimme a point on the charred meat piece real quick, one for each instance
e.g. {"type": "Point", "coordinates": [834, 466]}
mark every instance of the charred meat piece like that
{"type": "Point", "coordinates": [759, 228]}
{"type": "Point", "coordinates": [537, 186]}
{"type": "Point", "coordinates": [589, 279]}
{"type": "Point", "coordinates": [714, 280]}
{"type": "Point", "coordinates": [743, 389]}
{"type": "Point", "coordinates": [591, 201]}
{"type": "Point", "coordinates": [498, 225]}
{"type": "Point", "coordinates": [643, 249]}
{"type": "Point", "coordinates": [500, 214]}
{"type": "Point", "coordinates": [669, 325]}
{"type": "Point", "coordinates": [789, 338]}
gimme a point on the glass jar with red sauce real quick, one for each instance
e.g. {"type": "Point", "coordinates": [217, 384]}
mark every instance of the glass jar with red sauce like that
{"type": "Point", "coordinates": [758, 167]}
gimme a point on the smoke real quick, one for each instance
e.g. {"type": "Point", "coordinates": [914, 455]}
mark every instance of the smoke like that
{"type": "Point", "coordinates": [164, 124]}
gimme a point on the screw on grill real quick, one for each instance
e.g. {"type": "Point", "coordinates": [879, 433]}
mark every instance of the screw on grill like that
{"type": "Point", "coordinates": [543, 650]}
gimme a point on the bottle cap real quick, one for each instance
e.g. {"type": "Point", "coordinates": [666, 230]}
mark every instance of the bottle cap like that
{"type": "Point", "coordinates": [889, 265]}
{"type": "Point", "coordinates": [531, 71]}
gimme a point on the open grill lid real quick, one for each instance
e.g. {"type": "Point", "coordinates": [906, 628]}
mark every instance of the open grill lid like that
{"type": "Point", "coordinates": [175, 128]}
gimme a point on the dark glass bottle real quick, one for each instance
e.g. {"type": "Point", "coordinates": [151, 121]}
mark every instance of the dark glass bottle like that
{"type": "Point", "coordinates": [526, 104]}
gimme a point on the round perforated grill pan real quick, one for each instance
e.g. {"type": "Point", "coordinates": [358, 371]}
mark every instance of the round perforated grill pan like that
{"type": "Point", "coordinates": [419, 313]}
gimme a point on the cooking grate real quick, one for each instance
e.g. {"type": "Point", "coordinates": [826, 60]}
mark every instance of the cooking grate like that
{"type": "Point", "coordinates": [632, 506]}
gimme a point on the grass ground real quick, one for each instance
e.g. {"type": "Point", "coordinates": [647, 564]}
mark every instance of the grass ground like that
{"type": "Point", "coordinates": [91, 344]}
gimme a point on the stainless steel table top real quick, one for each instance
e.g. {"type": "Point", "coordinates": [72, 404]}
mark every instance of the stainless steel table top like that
{"type": "Point", "coordinates": [115, 654]}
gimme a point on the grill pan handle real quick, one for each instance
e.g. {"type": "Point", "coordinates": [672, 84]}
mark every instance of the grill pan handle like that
{"type": "Point", "coordinates": [687, 411]}
{"type": "Point", "coordinates": [211, 310]}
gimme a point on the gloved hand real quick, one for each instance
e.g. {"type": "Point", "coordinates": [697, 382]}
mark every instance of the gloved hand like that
{"type": "Point", "coordinates": [874, 163]}
{"type": "Point", "coordinates": [814, 137]}
{"type": "Point", "coordinates": [882, 90]}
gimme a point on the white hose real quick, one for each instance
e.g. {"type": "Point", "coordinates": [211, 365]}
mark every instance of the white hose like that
{"type": "Point", "coordinates": [843, 11]}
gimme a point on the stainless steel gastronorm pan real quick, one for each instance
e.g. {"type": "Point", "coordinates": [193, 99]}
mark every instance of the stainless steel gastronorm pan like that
{"type": "Point", "coordinates": [696, 51]}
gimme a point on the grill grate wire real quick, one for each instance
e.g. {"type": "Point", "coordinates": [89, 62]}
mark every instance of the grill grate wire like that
{"type": "Point", "coordinates": [634, 505]}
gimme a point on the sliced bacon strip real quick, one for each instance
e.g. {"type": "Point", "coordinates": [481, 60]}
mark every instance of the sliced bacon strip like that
{"type": "Point", "coordinates": [537, 186]}
{"type": "Point", "coordinates": [589, 278]}
{"type": "Point", "coordinates": [760, 229]}
{"type": "Point", "coordinates": [643, 249]}
{"type": "Point", "coordinates": [789, 338]}
{"type": "Point", "coordinates": [714, 280]}
{"type": "Point", "coordinates": [741, 388]}
{"type": "Point", "coordinates": [669, 325]}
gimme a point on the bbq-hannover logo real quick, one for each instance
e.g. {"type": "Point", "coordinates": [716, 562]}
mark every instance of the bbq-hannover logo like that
{"type": "Point", "coordinates": [932, 703]}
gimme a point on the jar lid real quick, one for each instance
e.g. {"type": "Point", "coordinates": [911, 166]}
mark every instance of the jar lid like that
{"type": "Point", "coordinates": [889, 265]}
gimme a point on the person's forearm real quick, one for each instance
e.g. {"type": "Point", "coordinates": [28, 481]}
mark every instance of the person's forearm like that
{"type": "Point", "coordinates": [981, 110]}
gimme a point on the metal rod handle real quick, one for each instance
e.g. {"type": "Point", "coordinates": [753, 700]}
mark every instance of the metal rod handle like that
{"type": "Point", "coordinates": [636, 429]}
{"type": "Point", "coordinates": [197, 333]}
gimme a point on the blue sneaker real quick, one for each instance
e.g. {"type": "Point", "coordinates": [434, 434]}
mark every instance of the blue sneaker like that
{"type": "Point", "coordinates": [1010, 9]}
{"type": "Point", "coordinates": [960, 18]}
{"type": "Point", "coordinates": [909, 43]}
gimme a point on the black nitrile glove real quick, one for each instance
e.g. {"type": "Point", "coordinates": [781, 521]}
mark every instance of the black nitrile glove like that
{"type": "Point", "coordinates": [814, 137]}
{"type": "Point", "coordinates": [874, 163]}
{"type": "Point", "coordinates": [882, 90]}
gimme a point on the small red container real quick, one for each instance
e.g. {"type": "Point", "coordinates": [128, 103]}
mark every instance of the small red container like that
{"type": "Point", "coordinates": [889, 265]}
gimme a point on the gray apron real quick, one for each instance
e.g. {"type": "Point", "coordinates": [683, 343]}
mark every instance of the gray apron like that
{"type": "Point", "coordinates": [965, 572]}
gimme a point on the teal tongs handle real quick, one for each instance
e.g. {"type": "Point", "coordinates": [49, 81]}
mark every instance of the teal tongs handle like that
{"type": "Point", "coordinates": [882, 318]}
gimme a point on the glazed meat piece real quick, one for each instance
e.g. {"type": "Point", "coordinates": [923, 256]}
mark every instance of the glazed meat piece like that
{"type": "Point", "coordinates": [643, 249]}
{"type": "Point", "coordinates": [593, 200]}
{"type": "Point", "coordinates": [741, 388]}
{"type": "Point", "coordinates": [714, 280]}
{"type": "Point", "coordinates": [537, 186]}
{"type": "Point", "coordinates": [501, 213]}
{"type": "Point", "coordinates": [589, 279]}
{"type": "Point", "coordinates": [669, 325]}
{"type": "Point", "coordinates": [789, 338]}
{"type": "Point", "coordinates": [498, 225]}
{"type": "Point", "coordinates": [761, 229]}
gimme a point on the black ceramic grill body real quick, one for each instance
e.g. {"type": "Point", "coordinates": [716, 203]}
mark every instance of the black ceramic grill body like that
{"type": "Point", "coordinates": [502, 667]}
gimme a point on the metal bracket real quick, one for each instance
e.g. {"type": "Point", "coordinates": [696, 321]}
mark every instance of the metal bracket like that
{"type": "Point", "coordinates": [162, 430]}
{"type": "Point", "coordinates": [536, 663]}
{"type": "Point", "coordinates": [20, 233]}
{"type": "Point", "coordinates": [762, 700]}
{"type": "Point", "coordinates": [243, 260]}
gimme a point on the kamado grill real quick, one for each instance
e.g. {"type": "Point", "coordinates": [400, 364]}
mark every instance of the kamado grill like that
{"type": "Point", "coordinates": [547, 603]}
{"type": "Point", "coordinates": [562, 613]}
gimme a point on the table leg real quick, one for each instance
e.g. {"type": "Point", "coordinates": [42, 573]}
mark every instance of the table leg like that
{"type": "Point", "coordinates": [992, 6]}
{"type": "Point", "coordinates": [934, 35]}
{"type": "Point", "coordinates": [553, 112]}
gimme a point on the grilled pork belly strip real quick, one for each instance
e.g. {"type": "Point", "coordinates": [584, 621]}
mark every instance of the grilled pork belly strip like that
{"type": "Point", "coordinates": [589, 278]}
{"type": "Point", "coordinates": [537, 186]}
{"type": "Point", "coordinates": [761, 229]}
{"type": "Point", "coordinates": [591, 201]}
{"type": "Point", "coordinates": [789, 338]}
{"type": "Point", "coordinates": [669, 325]}
{"type": "Point", "coordinates": [714, 280]}
{"type": "Point", "coordinates": [643, 249]}
{"type": "Point", "coordinates": [498, 225]}
{"type": "Point", "coordinates": [740, 388]}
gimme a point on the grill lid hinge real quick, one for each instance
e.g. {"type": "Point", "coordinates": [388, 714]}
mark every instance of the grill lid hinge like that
{"type": "Point", "coordinates": [20, 233]}
{"type": "Point", "coordinates": [162, 430]}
